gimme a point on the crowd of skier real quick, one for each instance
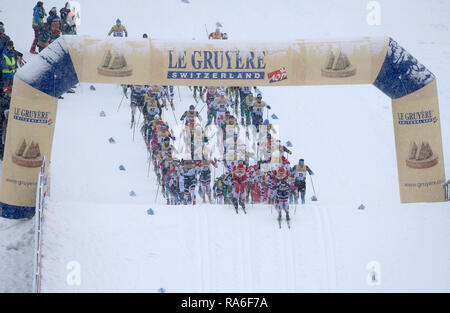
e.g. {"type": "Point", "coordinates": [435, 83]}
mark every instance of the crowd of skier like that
{"type": "Point", "coordinates": [264, 175]}
{"type": "Point", "coordinates": [261, 177]}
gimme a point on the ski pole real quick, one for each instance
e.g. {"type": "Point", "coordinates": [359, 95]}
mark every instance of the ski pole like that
{"type": "Point", "coordinates": [207, 34]}
{"type": "Point", "coordinates": [134, 128]}
{"type": "Point", "coordinates": [202, 108]}
{"type": "Point", "coordinates": [174, 117]}
{"type": "Point", "coordinates": [157, 190]}
{"type": "Point", "coordinates": [312, 184]}
{"type": "Point", "coordinates": [120, 103]}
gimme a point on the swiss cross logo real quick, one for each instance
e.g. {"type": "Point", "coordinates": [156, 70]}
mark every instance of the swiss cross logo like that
{"type": "Point", "coordinates": [278, 75]}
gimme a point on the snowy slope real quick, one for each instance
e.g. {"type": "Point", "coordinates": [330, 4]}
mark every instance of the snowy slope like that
{"type": "Point", "coordinates": [93, 220]}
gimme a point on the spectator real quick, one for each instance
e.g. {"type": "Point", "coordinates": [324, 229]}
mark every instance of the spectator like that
{"type": "Point", "coordinates": [44, 37]}
{"type": "Point", "coordinates": [9, 63]}
{"type": "Point", "coordinates": [38, 19]}
{"type": "Point", "coordinates": [64, 13]}
{"type": "Point", "coordinates": [5, 100]}
{"type": "Point", "coordinates": [3, 38]}
{"type": "Point", "coordinates": [71, 25]}
{"type": "Point", "coordinates": [54, 20]}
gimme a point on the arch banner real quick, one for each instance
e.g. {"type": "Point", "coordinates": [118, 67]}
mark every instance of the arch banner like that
{"type": "Point", "coordinates": [71, 59]}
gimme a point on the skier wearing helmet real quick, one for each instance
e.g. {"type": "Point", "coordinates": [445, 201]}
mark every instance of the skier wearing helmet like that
{"type": "Point", "coordinates": [299, 172]}
{"type": "Point", "coordinates": [216, 35]}
{"type": "Point", "coordinates": [257, 108]}
{"type": "Point", "coordinates": [118, 30]}
{"type": "Point", "coordinates": [190, 115]}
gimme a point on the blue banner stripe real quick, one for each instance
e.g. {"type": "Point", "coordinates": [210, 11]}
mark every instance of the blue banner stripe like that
{"type": "Point", "coordinates": [401, 73]}
{"type": "Point", "coordinates": [215, 75]}
{"type": "Point", "coordinates": [52, 72]}
{"type": "Point", "coordinates": [16, 212]}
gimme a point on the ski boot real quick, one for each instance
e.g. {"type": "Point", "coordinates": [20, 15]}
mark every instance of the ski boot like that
{"type": "Point", "coordinates": [210, 198]}
{"type": "Point", "coordinates": [242, 203]}
{"type": "Point", "coordinates": [303, 198]}
{"type": "Point", "coordinates": [235, 203]}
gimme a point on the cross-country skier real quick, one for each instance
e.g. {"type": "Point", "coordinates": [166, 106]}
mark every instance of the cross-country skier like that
{"type": "Point", "coordinates": [167, 94]}
{"type": "Point", "coordinates": [257, 108]}
{"type": "Point", "coordinates": [239, 179]}
{"type": "Point", "coordinates": [300, 171]}
{"type": "Point", "coordinates": [205, 179]}
{"type": "Point", "coordinates": [190, 180]}
{"type": "Point", "coordinates": [217, 34]}
{"type": "Point", "coordinates": [219, 188]}
{"type": "Point", "coordinates": [221, 105]}
{"type": "Point", "coordinates": [118, 30]}
{"type": "Point", "coordinates": [283, 188]}
{"type": "Point", "coordinates": [137, 99]}
{"type": "Point", "coordinates": [190, 114]}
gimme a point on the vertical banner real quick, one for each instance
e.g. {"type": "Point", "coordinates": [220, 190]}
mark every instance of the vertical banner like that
{"type": "Point", "coordinates": [420, 158]}
{"type": "Point", "coordinates": [31, 122]}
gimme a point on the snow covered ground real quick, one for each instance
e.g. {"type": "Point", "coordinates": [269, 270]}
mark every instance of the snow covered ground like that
{"type": "Point", "coordinates": [92, 220]}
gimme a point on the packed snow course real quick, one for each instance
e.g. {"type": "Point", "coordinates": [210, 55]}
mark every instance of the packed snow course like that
{"type": "Point", "coordinates": [343, 132]}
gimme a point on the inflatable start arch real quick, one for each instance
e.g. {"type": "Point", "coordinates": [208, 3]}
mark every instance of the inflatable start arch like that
{"type": "Point", "coordinates": [72, 59]}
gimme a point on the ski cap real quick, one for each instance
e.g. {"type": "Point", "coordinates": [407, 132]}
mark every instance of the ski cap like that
{"type": "Point", "coordinates": [191, 107]}
{"type": "Point", "coordinates": [301, 161]}
{"type": "Point", "coordinates": [259, 96]}
{"type": "Point", "coordinates": [118, 21]}
{"type": "Point", "coordinates": [266, 122]}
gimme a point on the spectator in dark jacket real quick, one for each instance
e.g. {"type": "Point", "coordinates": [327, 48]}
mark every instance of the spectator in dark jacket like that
{"type": "Point", "coordinates": [5, 100]}
{"type": "Point", "coordinates": [3, 38]}
{"type": "Point", "coordinates": [53, 19]}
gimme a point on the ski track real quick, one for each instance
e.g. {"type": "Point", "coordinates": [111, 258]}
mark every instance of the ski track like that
{"type": "Point", "coordinates": [329, 248]}
{"type": "Point", "coordinates": [326, 243]}
{"type": "Point", "coordinates": [210, 287]}
{"type": "Point", "coordinates": [248, 255]}
{"type": "Point", "coordinates": [199, 249]}
{"type": "Point", "coordinates": [294, 248]}
{"type": "Point", "coordinates": [241, 259]}
{"type": "Point", "coordinates": [282, 253]}
{"type": "Point", "coordinates": [290, 249]}
{"type": "Point", "coordinates": [12, 226]}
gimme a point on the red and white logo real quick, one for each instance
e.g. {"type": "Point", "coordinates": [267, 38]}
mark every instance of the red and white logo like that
{"type": "Point", "coordinates": [278, 75]}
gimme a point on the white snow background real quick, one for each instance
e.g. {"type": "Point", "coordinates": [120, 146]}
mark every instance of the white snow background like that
{"type": "Point", "coordinates": [345, 134]}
